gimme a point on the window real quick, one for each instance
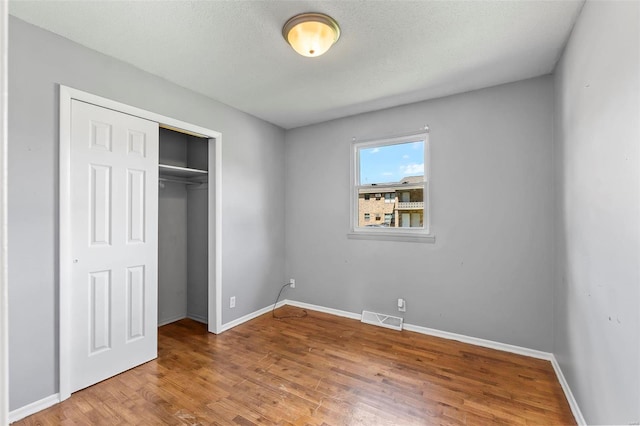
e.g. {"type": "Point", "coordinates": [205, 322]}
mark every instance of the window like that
{"type": "Point", "coordinates": [395, 171]}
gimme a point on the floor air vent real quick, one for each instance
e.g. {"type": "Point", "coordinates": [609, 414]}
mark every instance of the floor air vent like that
{"type": "Point", "coordinates": [382, 320]}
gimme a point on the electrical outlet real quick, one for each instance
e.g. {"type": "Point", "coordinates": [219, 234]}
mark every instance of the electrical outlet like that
{"type": "Point", "coordinates": [402, 305]}
{"type": "Point", "coordinates": [292, 282]}
{"type": "Point", "coordinates": [232, 302]}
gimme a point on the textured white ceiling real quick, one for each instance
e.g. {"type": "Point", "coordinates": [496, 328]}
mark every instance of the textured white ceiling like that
{"type": "Point", "coordinates": [390, 52]}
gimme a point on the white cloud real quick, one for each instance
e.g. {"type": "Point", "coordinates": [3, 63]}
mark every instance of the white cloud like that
{"type": "Point", "coordinates": [375, 150]}
{"type": "Point", "coordinates": [412, 169]}
{"type": "Point", "coordinates": [405, 157]}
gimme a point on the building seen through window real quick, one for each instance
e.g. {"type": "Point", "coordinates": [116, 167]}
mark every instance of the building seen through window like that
{"type": "Point", "coordinates": [399, 207]}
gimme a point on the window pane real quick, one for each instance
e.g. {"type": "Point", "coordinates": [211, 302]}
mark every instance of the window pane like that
{"type": "Point", "coordinates": [391, 163]}
{"type": "Point", "coordinates": [399, 208]}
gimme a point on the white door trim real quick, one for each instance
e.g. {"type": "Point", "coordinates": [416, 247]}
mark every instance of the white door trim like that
{"type": "Point", "coordinates": [4, 282]}
{"type": "Point", "coordinates": [215, 220]}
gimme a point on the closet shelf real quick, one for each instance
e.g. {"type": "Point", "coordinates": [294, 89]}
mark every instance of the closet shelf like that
{"type": "Point", "coordinates": [181, 172]}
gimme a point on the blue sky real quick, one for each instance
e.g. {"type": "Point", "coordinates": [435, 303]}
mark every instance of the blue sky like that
{"type": "Point", "coordinates": [391, 163]}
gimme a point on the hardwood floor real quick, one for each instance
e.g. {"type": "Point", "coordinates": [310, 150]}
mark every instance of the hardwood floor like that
{"type": "Point", "coordinates": [318, 370]}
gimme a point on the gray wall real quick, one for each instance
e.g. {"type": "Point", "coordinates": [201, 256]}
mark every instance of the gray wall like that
{"type": "Point", "coordinates": [172, 252]}
{"type": "Point", "coordinates": [489, 274]}
{"type": "Point", "coordinates": [197, 232]}
{"type": "Point", "coordinates": [197, 253]}
{"type": "Point", "coordinates": [597, 133]}
{"type": "Point", "coordinates": [172, 232]}
{"type": "Point", "coordinates": [253, 169]}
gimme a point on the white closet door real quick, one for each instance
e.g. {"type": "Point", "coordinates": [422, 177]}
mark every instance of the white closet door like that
{"type": "Point", "coordinates": [114, 216]}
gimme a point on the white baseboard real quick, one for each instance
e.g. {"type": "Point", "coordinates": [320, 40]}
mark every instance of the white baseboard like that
{"type": "Point", "coordinates": [199, 318]}
{"type": "Point", "coordinates": [433, 332]}
{"type": "Point", "coordinates": [318, 308]}
{"type": "Point", "coordinates": [194, 317]}
{"type": "Point", "coordinates": [249, 317]}
{"type": "Point", "coordinates": [533, 353]}
{"type": "Point", "coordinates": [33, 408]}
{"type": "Point", "coordinates": [170, 320]}
{"type": "Point", "coordinates": [575, 409]}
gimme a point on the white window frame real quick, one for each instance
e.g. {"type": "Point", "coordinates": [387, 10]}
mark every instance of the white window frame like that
{"type": "Point", "coordinates": [423, 234]}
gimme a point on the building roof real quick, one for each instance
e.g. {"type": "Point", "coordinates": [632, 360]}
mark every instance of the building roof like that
{"type": "Point", "coordinates": [412, 179]}
{"type": "Point", "coordinates": [386, 187]}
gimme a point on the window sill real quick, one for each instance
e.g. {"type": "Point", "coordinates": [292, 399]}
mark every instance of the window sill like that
{"type": "Point", "coordinates": [392, 236]}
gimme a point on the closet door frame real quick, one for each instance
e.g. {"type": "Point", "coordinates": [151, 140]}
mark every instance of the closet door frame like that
{"type": "Point", "coordinates": [65, 226]}
{"type": "Point", "coordinates": [4, 281]}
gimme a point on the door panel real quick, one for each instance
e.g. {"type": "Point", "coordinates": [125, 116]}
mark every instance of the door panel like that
{"type": "Point", "coordinates": [135, 206]}
{"type": "Point", "coordinates": [100, 213]}
{"type": "Point", "coordinates": [135, 302]}
{"type": "Point", "coordinates": [100, 305]}
{"type": "Point", "coordinates": [114, 210]}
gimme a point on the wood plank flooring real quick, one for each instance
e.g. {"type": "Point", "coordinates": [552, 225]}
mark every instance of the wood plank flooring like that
{"type": "Point", "coordinates": [318, 370]}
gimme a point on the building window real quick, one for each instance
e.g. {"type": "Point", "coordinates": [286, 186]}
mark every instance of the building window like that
{"type": "Point", "coordinates": [396, 172]}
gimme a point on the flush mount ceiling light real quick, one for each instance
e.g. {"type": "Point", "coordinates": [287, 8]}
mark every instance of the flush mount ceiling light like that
{"type": "Point", "coordinates": [311, 34]}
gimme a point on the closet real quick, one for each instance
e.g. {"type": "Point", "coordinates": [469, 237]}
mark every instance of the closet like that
{"type": "Point", "coordinates": [139, 231]}
{"type": "Point", "coordinates": [182, 227]}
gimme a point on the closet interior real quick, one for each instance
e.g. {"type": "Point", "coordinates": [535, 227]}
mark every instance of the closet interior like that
{"type": "Point", "coordinates": [182, 227]}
